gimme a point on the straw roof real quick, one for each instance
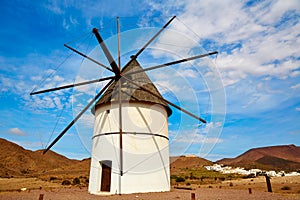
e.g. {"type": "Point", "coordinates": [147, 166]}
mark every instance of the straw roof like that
{"type": "Point", "coordinates": [131, 92]}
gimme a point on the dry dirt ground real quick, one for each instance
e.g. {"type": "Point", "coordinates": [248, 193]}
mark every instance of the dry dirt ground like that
{"type": "Point", "coordinates": [238, 189]}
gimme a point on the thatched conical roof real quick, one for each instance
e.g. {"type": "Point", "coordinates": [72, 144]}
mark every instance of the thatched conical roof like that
{"type": "Point", "coordinates": [130, 92]}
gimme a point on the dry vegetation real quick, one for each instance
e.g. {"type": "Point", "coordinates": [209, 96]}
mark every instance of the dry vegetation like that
{"type": "Point", "coordinates": [209, 188]}
{"type": "Point", "coordinates": [58, 177]}
{"type": "Point", "coordinates": [238, 190]}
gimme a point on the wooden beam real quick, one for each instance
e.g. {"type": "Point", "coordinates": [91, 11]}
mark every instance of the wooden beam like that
{"type": "Point", "coordinates": [110, 59]}
{"type": "Point", "coordinates": [78, 116]}
{"type": "Point", "coordinates": [72, 85]}
{"type": "Point", "coordinates": [87, 57]}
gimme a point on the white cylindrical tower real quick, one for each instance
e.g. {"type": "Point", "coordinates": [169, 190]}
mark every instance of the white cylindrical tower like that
{"type": "Point", "coordinates": [142, 164]}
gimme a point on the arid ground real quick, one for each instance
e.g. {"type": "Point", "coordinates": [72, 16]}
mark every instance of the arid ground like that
{"type": "Point", "coordinates": [283, 188]}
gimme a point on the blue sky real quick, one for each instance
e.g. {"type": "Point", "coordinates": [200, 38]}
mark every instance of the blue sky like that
{"type": "Point", "coordinates": [256, 97]}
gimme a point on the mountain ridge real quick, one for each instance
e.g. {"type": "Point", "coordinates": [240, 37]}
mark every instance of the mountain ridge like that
{"type": "Point", "coordinates": [16, 161]}
{"type": "Point", "coordinates": [281, 157]}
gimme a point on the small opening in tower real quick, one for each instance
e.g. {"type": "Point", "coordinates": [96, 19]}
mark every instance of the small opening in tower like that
{"type": "Point", "coordinates": [107, 111]}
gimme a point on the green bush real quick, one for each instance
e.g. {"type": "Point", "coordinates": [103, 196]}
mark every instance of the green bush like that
{"type": "Point", "coordinates": [173, 176]}
{"type": "Point", "coordinates": [76, 181]}
{"type": "Point", "coordinates": [179, 179]}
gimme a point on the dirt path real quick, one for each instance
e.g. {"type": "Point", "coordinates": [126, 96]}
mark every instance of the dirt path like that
{"type": "Point", "coordinates": [73, 193]}
{"type": "Point", "coordinates": [235, 189]}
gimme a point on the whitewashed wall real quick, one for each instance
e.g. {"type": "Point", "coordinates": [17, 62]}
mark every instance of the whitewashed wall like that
{"type": "Point", "coordinates": [145, 157]}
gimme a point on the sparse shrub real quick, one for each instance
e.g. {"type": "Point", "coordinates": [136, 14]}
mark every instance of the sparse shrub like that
{"type": "Point", "coordinates": [192, 176]}
{"type": "Point", "coordinates": [249, 176]}
{"type": "Point", "coordinates": [202, 178]}
{"type": "Point", "coordinates": [66, 182]}
{"type": "Point", "coordinates": [285, 188]}
{"type": "Point", "coordinates": [210, 186]}
{"type": "Point", "coordinates": [222, 178]}
{"type": "Point", "coordinates": [179, 179]}
{"type": "Point", "coordinates": [76, 181]}
{"type": "Point", "coordinates": [173, 176]}
{"type": "Point", "coordinates": [230, 184]}
{"type": "Point", "coordinates": [188, 184]}
{"type": "Point", "coordinates": [52, 178]}
{"type": "Point", "coordinates": [24, 171]}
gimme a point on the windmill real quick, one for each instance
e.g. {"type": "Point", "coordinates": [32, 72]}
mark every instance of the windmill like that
{"type": "Point", "coordinates": [131, 116]}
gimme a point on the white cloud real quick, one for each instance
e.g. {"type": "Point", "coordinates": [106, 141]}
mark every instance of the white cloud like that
{"type": "Point", "coordinates": [200, 135]}
{"type": "Point", "coordinates": [57, 78]}
{"type": "Point", "coordinates": [36, 78]}
{"type": "Point", "coordinates": [16, 131]}
{"type": "Point", "coordinates": [29, 144]}
{"type": "Point", "coordinates": [295, 86]}
{"type": "Point", "coordinates": [69, 22]}
{"type": "Point", "coordinates": [262, 46]}
{"type": "Point", "coordinates": [196, 138]}
{"type": "Point", "coordinates": [166, 86]}
{"type": "Point", "coordinates": [272, 11]}
{"type": "Point", "coordinates": [54, 7]}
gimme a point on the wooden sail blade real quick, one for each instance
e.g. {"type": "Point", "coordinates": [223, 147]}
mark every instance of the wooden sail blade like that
{"type": "Point", "coordinates": [168, 102]}
{"type": "Point", "coordinates": [173, 63]}
{"type": "Point", "coordinates": [87, 57]}
{"type": "Point", "coordinates": [72, 85]}
{"type": "Point", "coordinates": [120, 128]}
{"type": "Point", "coordinates": [78, 116]}
{"type": "Point", "coordinates": [109, 57]}
{"type": "Point", "coordinates": [155, 36]}
{"type": "Point", "coordinates": [120, 103]}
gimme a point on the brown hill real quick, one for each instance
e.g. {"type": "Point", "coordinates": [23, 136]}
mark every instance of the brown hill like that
{"type": "Point", "coordinates": [180, 162]}
{"type": "Point", "coordinates": [284, 157]}
{"type": "Point", "coordinates": [17, 161]}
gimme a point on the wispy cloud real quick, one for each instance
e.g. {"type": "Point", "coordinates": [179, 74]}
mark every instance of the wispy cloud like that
{"type": "Point", "coordinates": [295, 86]}
{"type": "Point", "coordinates": [247, 34]}
{"type": "Point", "coordinates": [197, 135]}
{"type": "Point", "coordinates": [16, 131]}
{"type": "Point", "coordinates": [55, 7]}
